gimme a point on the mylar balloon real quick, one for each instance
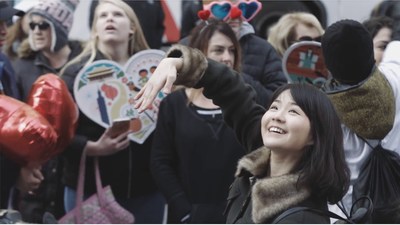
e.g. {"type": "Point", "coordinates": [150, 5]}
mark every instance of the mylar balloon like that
{"type": "Point", "coordinates": [25, 135]}
{"type": "Point", "coordinates": [50, 97]}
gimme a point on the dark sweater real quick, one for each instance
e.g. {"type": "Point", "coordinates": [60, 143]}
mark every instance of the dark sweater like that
{"type": "Point", "coordinates": [193, 160]}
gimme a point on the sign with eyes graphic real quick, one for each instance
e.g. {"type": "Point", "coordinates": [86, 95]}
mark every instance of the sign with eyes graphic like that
{"type": "Point", "coordinates": [104, 91]}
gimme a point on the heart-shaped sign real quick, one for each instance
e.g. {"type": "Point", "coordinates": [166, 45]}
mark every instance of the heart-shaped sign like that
{"type": "Point", "coordinates": [221, 10]}
{"type": "Point", "coordinates": [249, 9]}
{"type": "Point", "coordinates": [203, 14]}
{"type": "Point", "coordinates": [104, 92]}
{"type": "Point", "coordinates": [303, 62]}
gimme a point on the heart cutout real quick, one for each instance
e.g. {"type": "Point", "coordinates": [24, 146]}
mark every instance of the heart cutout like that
{"type": "Point", "coordinates": [249, 9]}
{"type": "Point", "coordinates": [203, 14]}
{"type": "Point", "coordinates": [104, 91]}
{"type": "Point", "coordinates": [221, 10]}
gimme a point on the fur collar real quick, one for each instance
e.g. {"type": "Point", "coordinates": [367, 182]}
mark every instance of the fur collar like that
{"type": "Point", "coordinates": [270, 195]}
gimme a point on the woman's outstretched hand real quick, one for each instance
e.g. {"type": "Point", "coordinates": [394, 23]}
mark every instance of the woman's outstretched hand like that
{"type": "Point", "coordinates": [163, 79]}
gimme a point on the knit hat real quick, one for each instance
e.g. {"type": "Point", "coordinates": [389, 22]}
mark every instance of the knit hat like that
{"type": "Point", "coordinates": [59, 14]}
{"type": "Point", "coordinates": [348, 51]}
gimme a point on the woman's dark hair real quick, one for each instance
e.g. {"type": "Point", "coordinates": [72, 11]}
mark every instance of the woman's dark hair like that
{"type": "Point", "coordinates": [322, 166]}
{"type": "Point", "coordinates": [201, 35]}
{"type": "Point", "coordinates": [374, 24]}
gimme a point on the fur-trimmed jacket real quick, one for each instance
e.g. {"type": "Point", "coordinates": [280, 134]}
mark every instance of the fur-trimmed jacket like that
{"type": "Point", "coordinates": [257, 198]}
{"type": "Point", "coordinates": [243, 114]}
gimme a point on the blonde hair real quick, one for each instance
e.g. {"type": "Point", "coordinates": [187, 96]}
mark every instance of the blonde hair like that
{"type": "Point", "coordinates": [15, 35]}
{"type": "Point", "coordinates": [137, 42]}
{"type": "Point", "coordinates": [283, 33]}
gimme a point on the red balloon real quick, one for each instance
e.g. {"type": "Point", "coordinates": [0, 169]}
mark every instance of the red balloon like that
{"type": "Point", "coordinates": [50, 97]}
{"type": "Point", "coordinates": [25, 135]}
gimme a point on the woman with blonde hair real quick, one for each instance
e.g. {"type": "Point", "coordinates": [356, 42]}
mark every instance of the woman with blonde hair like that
{"type": "Point", "coordinates": [293, 27]}
{"type": "Point", "coordinates": [116, 35]}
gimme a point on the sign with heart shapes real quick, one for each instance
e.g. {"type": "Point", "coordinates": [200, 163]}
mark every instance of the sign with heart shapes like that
{"type": "Point", "coordinates": [104, 92]}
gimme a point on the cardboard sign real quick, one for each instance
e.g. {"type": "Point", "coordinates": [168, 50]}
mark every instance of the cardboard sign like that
{"type": "Point", "coordinates": [104, 92]}
{"type": "Point", "coordinates": [303, 62]}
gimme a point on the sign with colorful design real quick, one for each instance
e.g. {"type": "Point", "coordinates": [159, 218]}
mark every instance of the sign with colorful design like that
{"type": "Point", "coordinates": [303, 62]}
{"type": "Point", "coordinates": [104, 91]}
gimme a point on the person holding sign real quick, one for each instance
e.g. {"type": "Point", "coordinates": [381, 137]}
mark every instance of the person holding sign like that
{"type": "Point", "coordinates": [116, 35]}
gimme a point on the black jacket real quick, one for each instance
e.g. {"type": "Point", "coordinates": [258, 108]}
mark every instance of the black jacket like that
{"type": "Point", "coordinates": [29, 68]}
{"type": "Point", "coordinates": [237, 101]}
{"type": "Point", "coordinates": [261, 61]}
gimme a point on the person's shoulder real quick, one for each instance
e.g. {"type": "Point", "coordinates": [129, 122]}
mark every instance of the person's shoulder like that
{"type": "Point", "coordinates": [257, 42]}
{"type": "Point", "coordinates": [76, 46]}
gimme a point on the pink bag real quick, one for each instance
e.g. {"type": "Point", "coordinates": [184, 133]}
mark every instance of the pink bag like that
{"type": "Point", "coordinates": [100, 207]}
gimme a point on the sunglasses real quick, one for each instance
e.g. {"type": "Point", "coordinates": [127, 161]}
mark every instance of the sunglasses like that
{"type": "Point", "coordinates": [223, 10]}
{"type": "Point", "coordinates": [42, 26]}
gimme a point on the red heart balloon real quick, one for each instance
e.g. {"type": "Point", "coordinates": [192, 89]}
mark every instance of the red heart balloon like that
{"type": "Point", "coordinates": [50, 97]}
{"type": "Point", "coordinates": [25, 135]}
{"type": "Point", "coordinates": [235, 13]}
{"type": "Point", "coordinates": [203, 14]}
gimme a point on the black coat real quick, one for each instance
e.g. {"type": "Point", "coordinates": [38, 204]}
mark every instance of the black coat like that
{"type": "Point", "coordinates": [243, 114]}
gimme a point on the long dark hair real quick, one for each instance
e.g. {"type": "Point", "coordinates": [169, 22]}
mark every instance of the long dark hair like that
{"type": "Point", "coordinates": [322, 166]}
{"type": "Point", "coordinates": [374, 24]}
{"type": "Point", "coordinates": [201, 35]}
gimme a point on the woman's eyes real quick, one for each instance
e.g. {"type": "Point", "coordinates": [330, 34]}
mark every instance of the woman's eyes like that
{"type": "Point", "coordinates": [273, 107]}
{"type": "Point", "coordinates": [218, 50]}
{"type": "Point", "coordinates": [295, 111]}
{"type": "Point", "coordinates": [117, 14]}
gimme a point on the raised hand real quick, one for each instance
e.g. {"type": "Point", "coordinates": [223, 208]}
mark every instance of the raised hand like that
{"type": "Point", "coordinates": [163, 79]}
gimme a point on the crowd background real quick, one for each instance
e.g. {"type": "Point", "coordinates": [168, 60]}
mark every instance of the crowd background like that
{"type": "Point", "coordinates": [35, 41]}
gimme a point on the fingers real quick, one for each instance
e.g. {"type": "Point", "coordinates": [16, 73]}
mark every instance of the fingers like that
{"type": "Point", "coordinates": [37, 174]}
{"type": "Point", "coordinates": [168, 84]}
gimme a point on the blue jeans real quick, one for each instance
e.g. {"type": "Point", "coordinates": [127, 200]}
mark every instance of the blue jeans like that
{"type": "Point", "coordinates": [146, 208]}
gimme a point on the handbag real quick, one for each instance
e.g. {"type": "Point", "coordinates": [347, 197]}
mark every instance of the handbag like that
{"type": "Point", "coordinates": [101, 207]}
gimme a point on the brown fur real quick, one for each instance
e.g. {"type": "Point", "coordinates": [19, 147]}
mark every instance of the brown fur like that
{"type": "Point", "coordinates": [194, 64]}
{"type": "Point", "coordinates": [270, 195]}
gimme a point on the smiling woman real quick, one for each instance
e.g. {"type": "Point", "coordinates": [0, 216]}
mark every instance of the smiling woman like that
{"type": "Point", "coordinates": [301, 162]}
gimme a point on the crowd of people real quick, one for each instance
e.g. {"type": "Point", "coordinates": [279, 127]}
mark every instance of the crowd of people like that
{"type": "Point", "coordinates": [235, 141]}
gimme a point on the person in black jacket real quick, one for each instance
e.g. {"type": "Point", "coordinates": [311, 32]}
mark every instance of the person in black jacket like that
{"type": "Point", "coordinates": [299, 157]}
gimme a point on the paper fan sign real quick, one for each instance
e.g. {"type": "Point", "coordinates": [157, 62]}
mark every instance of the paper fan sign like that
{"type": "Point", "coordinates": [104, 91]}
{"type": "Point", "coordinates": [303, 62]}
